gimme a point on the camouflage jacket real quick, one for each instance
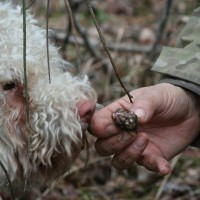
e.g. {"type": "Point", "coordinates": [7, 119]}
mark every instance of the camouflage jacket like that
{"type": "Point", "coordinates": [182, 63]}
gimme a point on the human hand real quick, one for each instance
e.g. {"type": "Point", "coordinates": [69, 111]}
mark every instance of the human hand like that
{"type": "Point", "coordinates": [168, 123]}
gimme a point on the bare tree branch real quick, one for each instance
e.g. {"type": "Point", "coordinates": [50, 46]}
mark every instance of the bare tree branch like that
{"type": "Point", "coordinates": [47, 39]}
{"type": "Point", "coordinates": [105, 47]}
{"type": "Point", "coordinates": [67, 35]}
{"type": "Point", "coordinates": [24, 59]}
{"type": "Point", "coordinates": [161, 28]}
{"type": "Point", "coordinates": [74, 31]}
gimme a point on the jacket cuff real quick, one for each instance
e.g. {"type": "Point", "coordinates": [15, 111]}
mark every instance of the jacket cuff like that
{"type": "Point", "coordinates": [184, 84]}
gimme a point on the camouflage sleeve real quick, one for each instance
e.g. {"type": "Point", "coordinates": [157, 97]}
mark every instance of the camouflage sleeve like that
{"type": "Point", "coordinates": [183, 62]}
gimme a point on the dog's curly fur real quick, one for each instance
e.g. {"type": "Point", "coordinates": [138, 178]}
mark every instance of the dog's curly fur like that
{"type": "Point", "coordinates": [48, 144]}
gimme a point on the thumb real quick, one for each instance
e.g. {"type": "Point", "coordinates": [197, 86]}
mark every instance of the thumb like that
{"type": "Point", "coordinates": [144, 109]}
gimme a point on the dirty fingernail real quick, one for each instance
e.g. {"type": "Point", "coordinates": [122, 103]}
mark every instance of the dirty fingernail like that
{"type": "Point", "coordinates": [140, 113]}
{"type": "Point", "coordinates": [140, 142]}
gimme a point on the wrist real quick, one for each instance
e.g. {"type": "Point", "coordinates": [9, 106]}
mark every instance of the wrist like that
{"type": "Point", "coordinates": [194, 99]}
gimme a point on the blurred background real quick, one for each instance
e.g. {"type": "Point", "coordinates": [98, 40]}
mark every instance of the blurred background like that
{"type": "Point", "coordinates": [135, 31]}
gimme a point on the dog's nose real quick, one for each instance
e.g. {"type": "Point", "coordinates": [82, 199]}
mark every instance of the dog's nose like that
{"type": "Point", "coordinates": [86, 111]}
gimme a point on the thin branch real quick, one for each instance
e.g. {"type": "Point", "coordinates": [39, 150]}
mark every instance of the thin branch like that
{"type": "Point", "coordinates": [82, 32]}
{"type": "Point", "coordinates": [71, 17]}
{"type": "Point", "coordinates": [67, 36]}
{"type": "Point", "coordinates": [87, 42]}
{"type": "Point", "coordinates": [161, 28]}
{"type": "Point", "coordinates": [105, 47]}
{"type": "Point", "coordinates": [24, 60]}
{"type": "Point", "coordinates": [25, 75]}
{"type": "Point", "coordinates": [47, 39]}
{"type": "Point", "coordinates": [9, 182]}
{"type": "Point", "coordinates": [30, 4]}
{"type": "Point", "coordinates": [68, 31]}
{"type": "Point", "coordinates": [93, 51]}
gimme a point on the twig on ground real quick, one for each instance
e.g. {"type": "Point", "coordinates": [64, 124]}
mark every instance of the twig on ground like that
{"type": "Point", "coordinates": [125, 47]}
{"type": "Point", "coordinates": [82, 167]}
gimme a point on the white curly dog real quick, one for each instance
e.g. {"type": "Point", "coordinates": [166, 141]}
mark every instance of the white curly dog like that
{"type": "Point", "coordinates": [42, 147]}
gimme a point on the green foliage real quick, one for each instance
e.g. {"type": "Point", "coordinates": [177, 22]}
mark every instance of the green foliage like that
{"type": "Point", "coordinates": [99, 13]}
{"type": "Point", "coordinates": [85, 195]}
{"type": "Point", "coordinates": [101, 16]}
{"type": "Point", "coordinates": [142, 10]}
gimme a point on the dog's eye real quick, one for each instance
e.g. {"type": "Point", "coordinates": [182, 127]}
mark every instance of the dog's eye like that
{"type": "Point", "coordinates": [9, 86]}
